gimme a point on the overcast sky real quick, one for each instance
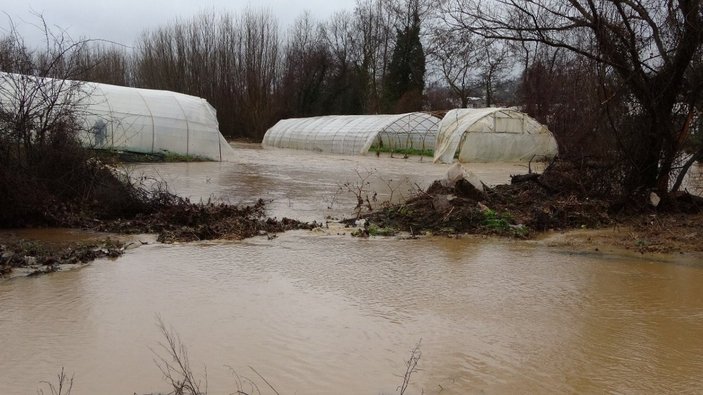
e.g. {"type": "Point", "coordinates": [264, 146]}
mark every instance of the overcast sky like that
{"type": "Point", "coordinates": [122, 21]}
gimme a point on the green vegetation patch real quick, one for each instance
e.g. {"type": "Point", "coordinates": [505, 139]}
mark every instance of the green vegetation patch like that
{"type": "Point", "coordinates": [374, 230]}
{"type": "Point", "coordinates": [404, 151]}
{"type": "Point", "coordinates": [118, 156]}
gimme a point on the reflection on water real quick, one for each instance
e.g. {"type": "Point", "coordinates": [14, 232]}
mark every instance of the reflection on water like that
{"type": "Point", "coordinates": [323, 313]}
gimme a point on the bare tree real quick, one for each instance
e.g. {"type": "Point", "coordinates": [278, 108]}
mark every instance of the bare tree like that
{"type": "Point", "coordinates": [233, 61]}
{"type": "Point", "coordinates": [307, 66]}
{"type": "Point", "coordinates": [453, 53]}
{"type": "Point", "coordinates": [345, 91]}
{"type": "Point", "coordinates": [106, 63]}
{"type": "Point", "coordinates": [43, 105]}
{"type": "Point", "coordinates": [493, 64]}
{"type": "Point", "coordinates": [256, 50]}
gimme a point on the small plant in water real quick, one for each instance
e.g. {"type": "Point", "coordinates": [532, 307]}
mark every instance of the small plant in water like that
{"type": "Point", "coordinates": [63, 385]}
{"type": "Point", "coordinates": [367, 199]}
{"type": "Point", "coordinates": [410, 367]}
{"type": "Point", "coordinates": [175, 367]}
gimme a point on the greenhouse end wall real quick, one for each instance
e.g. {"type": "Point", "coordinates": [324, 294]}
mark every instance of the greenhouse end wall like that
{"type": "Point", "coordinates": [492, 135]}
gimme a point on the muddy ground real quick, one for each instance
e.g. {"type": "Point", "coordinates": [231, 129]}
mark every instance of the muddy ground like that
{"type": "Point", "coordinates": [539, 205]}
{"type": "Point", "coordinates": [32, 257]}
{"type": "Point", "coordinates": [186, 221]}
{"type": "Point", "coordinates": [660, 233]}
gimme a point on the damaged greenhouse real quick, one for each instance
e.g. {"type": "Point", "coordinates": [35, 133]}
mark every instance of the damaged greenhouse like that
{"type": "Point", "coordinates": [492, 135]}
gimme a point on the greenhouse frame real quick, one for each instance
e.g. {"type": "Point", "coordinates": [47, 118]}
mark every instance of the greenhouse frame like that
{"type": "Point", "coordinates": [355, 134]}
{"type": "Point", "coordinates": [492, 135]}
{"type": "Point", "coordinates": [133, 119]}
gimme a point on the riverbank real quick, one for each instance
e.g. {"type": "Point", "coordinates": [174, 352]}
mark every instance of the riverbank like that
{"type": "Point", "coordinates": [645, 234]}
{"type": "Point", "coordinates": [534, 206]}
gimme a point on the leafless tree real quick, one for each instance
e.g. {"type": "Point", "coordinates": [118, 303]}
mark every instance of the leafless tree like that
{"type": "Point", "coordinates": [493, 63]}
{"type": "Point", "coordinates": [233, 61]}
{"type": "Point", "coordinates": [43, 105]}
{"type": "Point", "coordinates": [106, 63]}
{"type": "Point", "coordinates": [307, 65]}
{"type": "Point", "coordinates": [453, 53]}
{"type": "Point", "coordinates": [258, 52]}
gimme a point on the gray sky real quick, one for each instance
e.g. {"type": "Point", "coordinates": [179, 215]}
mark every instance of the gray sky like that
{"type": "Point", "coordinates": [122, 21]}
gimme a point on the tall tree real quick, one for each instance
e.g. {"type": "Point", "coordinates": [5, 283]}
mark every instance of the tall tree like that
{"type": "Point", "coordinates": [306, 67]}
{"type": "Point", "coordinates": [405, 80]}
{"type": "Point", "coordinates": [344, 93]}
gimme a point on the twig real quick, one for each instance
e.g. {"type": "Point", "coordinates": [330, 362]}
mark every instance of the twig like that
{"type": "Point", "coordinates": [265, 381]}
{"type": "Point", "coordinates": [410, 367]}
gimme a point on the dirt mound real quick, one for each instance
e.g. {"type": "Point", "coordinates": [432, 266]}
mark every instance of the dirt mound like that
{"type": "Point", "coordinates": [42, 258]}
{"type": "Point", "coordinates": [565, 196]}
{"type": "Point", "coordinates": [183, 220]}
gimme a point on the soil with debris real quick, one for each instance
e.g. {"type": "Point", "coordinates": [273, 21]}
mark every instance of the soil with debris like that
{"type": "Point", "coordinates": [171, 218]}
{"type": "Point", "coordinates": [533, 204]}
{"type": "Point", "coordinates": [186, 221]}
{"type": "Point", "coordinates": [35, 258]}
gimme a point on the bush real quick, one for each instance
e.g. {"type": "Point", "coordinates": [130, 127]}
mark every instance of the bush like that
{"type": "Point", "coordinates": [47, 177]}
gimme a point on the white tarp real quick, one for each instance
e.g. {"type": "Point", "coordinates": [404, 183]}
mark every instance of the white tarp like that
{"type": "Point", "coordinates": [492, 135]}
{"type": "Point", "coordinates": [142, 120]}
{"type": "Point", "coordinates": [354, 134]}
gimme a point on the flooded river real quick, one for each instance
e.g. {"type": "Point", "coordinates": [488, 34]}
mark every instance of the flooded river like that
{"type": "Point", "coordinates": [324, 313]}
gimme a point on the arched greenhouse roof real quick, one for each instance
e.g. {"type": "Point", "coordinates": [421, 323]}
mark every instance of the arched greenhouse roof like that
{"type": "Point", "coordinates": [129, 119]}
{"type": "Point", "coordinates": [153, 121]}
{"type": "Point", "coordinates": [492, 135]}
{"type": "Point", "coordinates": [354, 134]}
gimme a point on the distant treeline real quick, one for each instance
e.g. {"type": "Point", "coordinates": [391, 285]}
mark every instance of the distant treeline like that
{"type": "Point", "coordinates": [370, 60]}
{"type": "Point", "coordinates": [373, 59]}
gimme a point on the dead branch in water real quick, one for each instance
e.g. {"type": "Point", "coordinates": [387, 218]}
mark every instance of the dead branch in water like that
{"type": "Point", "coordinates": [410, 367]}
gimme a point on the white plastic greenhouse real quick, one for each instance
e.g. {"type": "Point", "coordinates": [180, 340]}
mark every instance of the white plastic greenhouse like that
{"type": "Point", "coordinates": [355, 134]}
{"type": "Point", "coordinates": [492, 135]}
{"type": "Point", "coordinates": [143, 120]}
{"type": "Point", "coordinates": [152, 121]}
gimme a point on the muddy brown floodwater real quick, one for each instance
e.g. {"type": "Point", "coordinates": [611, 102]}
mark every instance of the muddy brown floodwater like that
{"type": "Point", "coordinates": [324, 313]}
